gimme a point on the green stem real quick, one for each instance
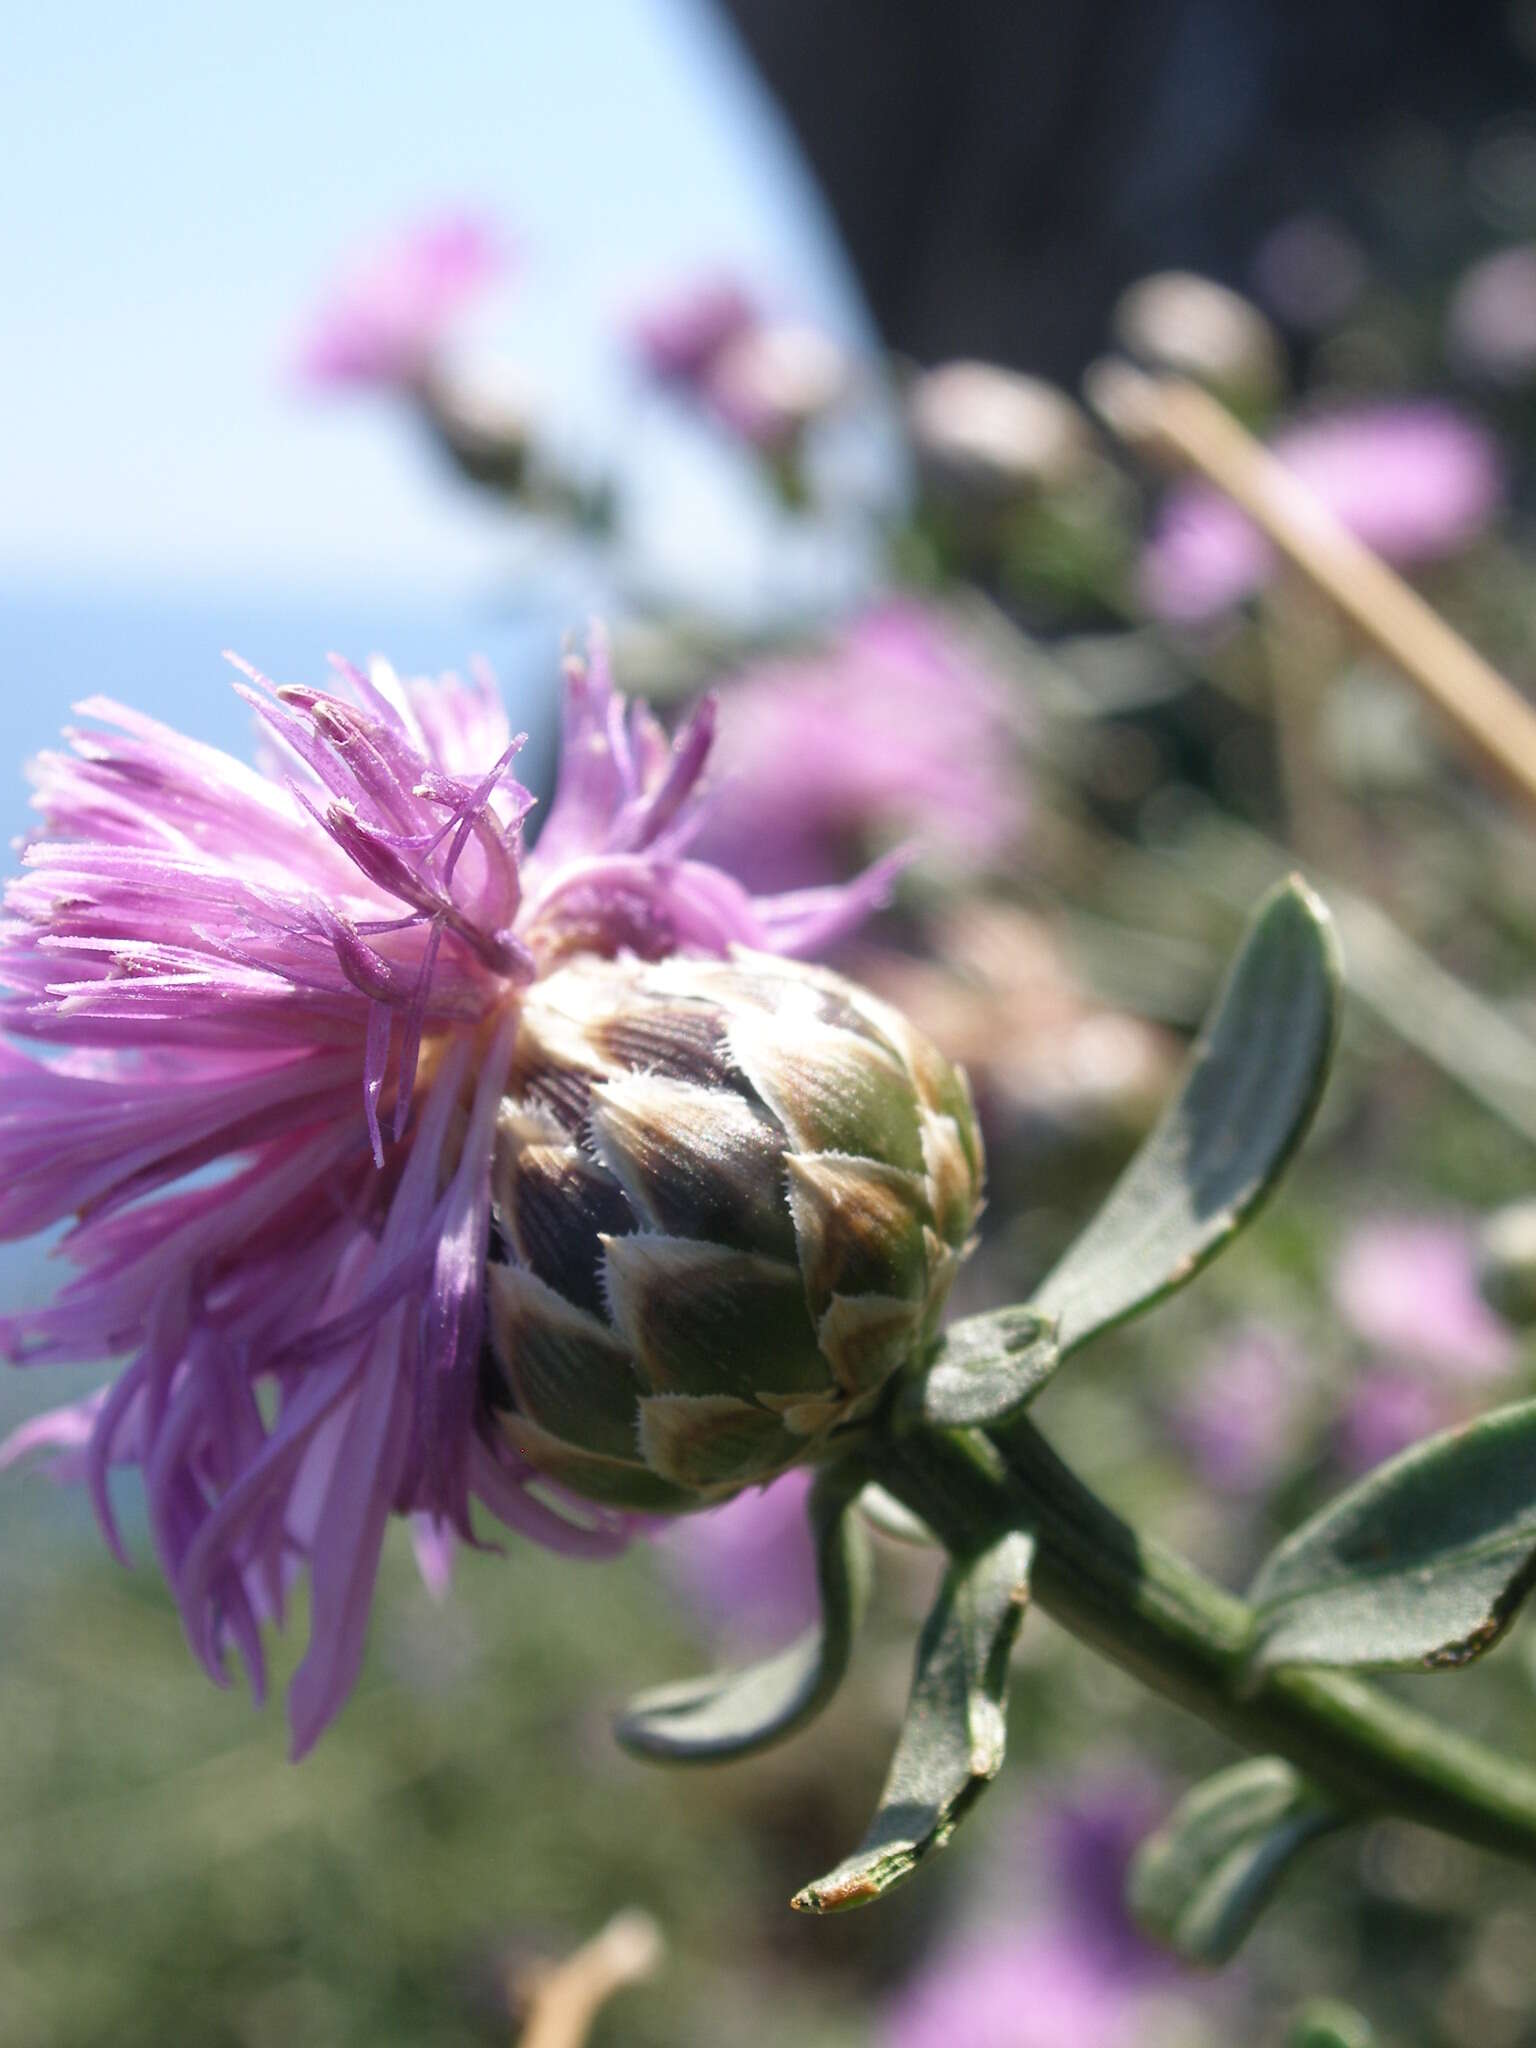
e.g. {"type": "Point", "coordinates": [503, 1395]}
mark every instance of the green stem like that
{"type": "Point", "coordinates": [1163, 1621]}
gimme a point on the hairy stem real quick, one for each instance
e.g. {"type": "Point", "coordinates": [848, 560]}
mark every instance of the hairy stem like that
{"type": "Point", "coordinates": [1149, 1611]}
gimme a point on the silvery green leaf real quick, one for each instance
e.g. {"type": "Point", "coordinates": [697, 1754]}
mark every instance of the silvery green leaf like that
{"type": "Point", "coordinates": [883, 1511]}
{"type": "Point", "coordinates": [986, 1368]}
{"type": "Point", "coordinates": [951, 1743]}
{"type": "Point", "coordinates": [1202, 1880]}
{"type": "Point", "coordinates": [732, 1713]}
{"type": "Point", "coordinates": [1423, 1564]}
{"type": "Point", "coordinates": [1249, 1089]}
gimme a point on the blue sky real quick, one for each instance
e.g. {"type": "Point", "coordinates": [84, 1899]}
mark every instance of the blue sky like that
{"type": "Point", "coordinates": [181, 178]}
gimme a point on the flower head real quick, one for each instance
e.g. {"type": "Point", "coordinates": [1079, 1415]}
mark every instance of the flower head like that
{"type": "Point", "coordinates": [896, 727]}
{"type": "Point", "coordinates": [764, 381]}
{"type": "Point", "coordinates": [1408, 1287]}
{"type": "Point", "coordinates": [1414, 482]}
{"type": "Point", "coordinates": [677, 340]}
{"type": "Point", "coordinates": [386, 318]}
{"type": "Point", "coordinates": [277, 1012]}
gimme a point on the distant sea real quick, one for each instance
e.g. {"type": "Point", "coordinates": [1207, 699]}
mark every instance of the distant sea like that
{"type": "Point", "coordinates": [162, 653]}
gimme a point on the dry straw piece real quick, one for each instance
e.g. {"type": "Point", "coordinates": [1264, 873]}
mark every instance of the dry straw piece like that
{"type": "Point", "coordinates": [1182, 426]}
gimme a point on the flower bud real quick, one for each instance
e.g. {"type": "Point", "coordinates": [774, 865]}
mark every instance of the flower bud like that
{"type": "Point", "coordinates": [771, 383]}
{"type": "Point", "coordinates": [1506, 1263]}
{"type": "Point", "coordinates": [1195, 328]}
{"type": "Point", "coordinates": [482, 409]}
{"type": "Point", "coordinates": [980, 429]}
{"type": "Point", "coordinates": [731, 1196]}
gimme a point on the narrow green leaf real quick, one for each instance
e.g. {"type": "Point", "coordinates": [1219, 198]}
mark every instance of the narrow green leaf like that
{"type": "Point", "coordinates": [951, 1743]}
{"type": "Point", "coordinates": [732, 1713]}
{"type": "Point", "coordinates": [1325, 2023]}
{"type": "Point", "coordinates": [1202, 1880]}
{"type": "Point", "coordinates": [1250, 1086]}
{"type": "Point", "coordinates": [1422, 1565]}
{"type": "Point", "coordinates": [986, 1368]}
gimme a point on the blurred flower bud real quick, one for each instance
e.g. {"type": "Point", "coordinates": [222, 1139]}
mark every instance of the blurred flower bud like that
{"type": "Point", "coordinates": [482, 410]}
{"type": "Point", "coordinates": [1491, 322]}
{"type": "Point", "coordinates": [769, 383]}
{"type": "Point", "coordinates": [1188, 325]}
{"type": "Point", "coordinates": [1310, 271]}
{"type": "Point", "coordinates": [1506, 1262]}
{"type": "Point", "coordinates": [736, 1193]}
{"type": "Point", "coordinates": [994, 432]}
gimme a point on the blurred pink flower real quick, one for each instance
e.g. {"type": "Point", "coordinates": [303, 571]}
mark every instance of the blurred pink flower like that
{"type": "Point", "coordinates": [764, 381]}
{"type": "Point", "coordinates": [1034, 1989]}
{"type": "Point", "coordinates": [1387, 1410]}
{"type": "Point", "coordinates": [1237, 1418]}
{"type": "Point", "coordinates": [387, 316]}
{"type": "Point", "coordinates": [1078, 1973]}
{"type": "Point", "coordinates": [1407, 1286]}
{"type": "Point", "coordinates": [308, 977]}
{"type": "Point", "coordinates": [748, 1568]}
{"type": "Point", "coordinates": [1416, 482]}
{"type": "Point", "coordinates": [678, 339]}
{"type": "Point", "coordinates": [897, 727]}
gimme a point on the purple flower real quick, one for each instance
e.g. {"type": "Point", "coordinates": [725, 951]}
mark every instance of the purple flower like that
{"type": "Point", "coordinates": [764, 381]}
{"type": "Point", "coordinates": [749, 1568]}
{"type": "Point", "coordinates": [1078, 1971]}
{"type": "Point", "coordinates": [678, 340]}
{"type": "Point", "coordinates": [386, 318]}
{"type": "Point", "coordinates": [1414, 482]}
{"type": "Point", "coordinates": [1034, 1989]}
{"type": "Point", "coordinates": [1084, 1843]}
{"type": "Point", "coordinates": [1238, 1416]}
{"type": "Point", "coordinates": [1407, 1286]}
{"type": "Point", "coordinates": [1387, 1410]}
{"type": "Point", "coordinates": [897, 727]}
{"type": "Point", "coordinates": [275, 1010]}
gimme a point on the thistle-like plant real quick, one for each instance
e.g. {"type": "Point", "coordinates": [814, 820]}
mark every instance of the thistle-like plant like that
{"type": "Point", "coordinates": [556, 1193]}
{"type": "Point", "coordinates": [1422, 1566]}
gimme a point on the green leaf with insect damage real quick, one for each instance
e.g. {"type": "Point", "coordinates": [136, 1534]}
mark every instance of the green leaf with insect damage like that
{"type": "Point", "coordinates": [951, 1742]}
{"type": "Point", "coordinates": [1422, 1565]}
{"type": "Point", "coordinates": [1251, 1083]}
{"type": "Point", "coordinates": [732, 1713]}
